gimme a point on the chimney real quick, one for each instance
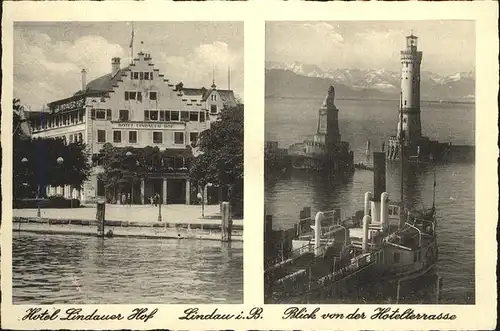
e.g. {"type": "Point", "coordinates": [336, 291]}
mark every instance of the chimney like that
{"type": "Point", "coordinates": [115, 66]}
{"type": "Point", "coordinates": [84, 79]}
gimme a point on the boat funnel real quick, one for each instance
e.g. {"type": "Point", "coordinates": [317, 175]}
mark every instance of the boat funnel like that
{"type": "Point", "coordinates": [366, 224]}
{"type": "Point", "coordinates": [317, 232]}
{"type": "Point", "coordinates": [378, 174]}
{"type": "Point", "coordinates": [378, 185]}
{"type": "Point", "coordinates": [368, 198]}
{"type": "Point", "coordinates": [384, 210]}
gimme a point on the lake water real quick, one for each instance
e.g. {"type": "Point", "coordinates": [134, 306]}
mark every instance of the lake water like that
{"type": "Point", "coordinates": [293, 120]}
{"type": "Point", "coordinates": [67, 269]}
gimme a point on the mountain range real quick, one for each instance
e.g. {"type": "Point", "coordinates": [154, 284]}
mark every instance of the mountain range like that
{"type": "Point", "coordinates": [304, 80]}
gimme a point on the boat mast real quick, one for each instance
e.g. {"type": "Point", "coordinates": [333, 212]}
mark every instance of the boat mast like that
{"type": "Point", "coordinates": [434, 192]}
{"type": "Point", "coordinates": [401, 146]}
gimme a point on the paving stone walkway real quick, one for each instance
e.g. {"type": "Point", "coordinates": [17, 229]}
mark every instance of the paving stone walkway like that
{"type": "Point", "coordinates": [136, 213]}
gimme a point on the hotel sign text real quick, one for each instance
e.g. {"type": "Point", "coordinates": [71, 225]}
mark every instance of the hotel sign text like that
{"type": "Point", "coordinates": [132, 125]}
{"type": "Point", "coordinates": [69, 105]}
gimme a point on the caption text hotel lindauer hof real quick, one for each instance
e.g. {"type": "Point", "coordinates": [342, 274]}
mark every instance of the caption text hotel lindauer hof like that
{"type": "Point", "coordinates": [255, 313]}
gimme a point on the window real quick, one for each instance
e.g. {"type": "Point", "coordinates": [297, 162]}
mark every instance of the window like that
{"type": "Point", "coordinates": [152, 95]}
{"type": "Point", "coordinates": [174, 116]}
{"type": "Point", "coordinates": [396, 257]}
{"type": "Point", "coordinates": [100, 114]}
{"type": "Point", "coordinates": [97, 159]}
{"type": "Point", "coordinates": [80, 137]}
{"type": "Point", "coordinates": [146, 115]}
{"type": "Point", "coordinates": [124, 115]}
{"type": "Point", "coordinates": [185, 116]}
{"type": "Point", "coordinates": [146, 75]}
{"type": "Point", "coordinates": [162, 115]}
{"type": "Point", "coordinates": [150, 76]}
{"type": "Point", "coordinates": [130, 95]}
{"type": "Point", "coordinates": [136, 75]}
{"type": "Point", "coordinates": [139, 96]}
{"type": "Point", "coordinates": [213, 109]}
{"type": "Point", "coordinates": [202, 116]}
{"type": "Point", "coordinates": [178, 138]}
{"type": "Point", "coordinates": [167, 115]}
{"type": "Point", "coordinates": [108, 114]}
{"type": "Point", "coordinates": [193, 116]}
{"type": "Point", "coordinates": [157, 137]}
{"type": "Point", "coordinates": [117, 136]}
{"type": "Point", "coordinates": [101, 136]}
{"type": "Point", "coordinates": [214, 97]}
{"type": "Point", "coordinates": [132, 137]}
{"type": "Point", "coordinates": [141, 76]}
{"type": "Point", "coordinates": [193, 137]}
{"type": "Point", "coordinates": [153, 115]}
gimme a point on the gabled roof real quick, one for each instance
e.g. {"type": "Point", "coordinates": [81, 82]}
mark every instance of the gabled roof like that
{"type": "Point", "coordinates": [227, 96]}
{"type": "Point", "coordinates": [193, 91]}
{"type": "Point", "coordinates": [104, 83]}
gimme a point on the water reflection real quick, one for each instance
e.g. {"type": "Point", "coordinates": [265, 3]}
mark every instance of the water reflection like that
{"type": "Point", "coordinates": [49, 269]}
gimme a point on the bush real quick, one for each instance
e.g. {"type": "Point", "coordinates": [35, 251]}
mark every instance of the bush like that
{"type": "Point", "coordinates": [51, 202]}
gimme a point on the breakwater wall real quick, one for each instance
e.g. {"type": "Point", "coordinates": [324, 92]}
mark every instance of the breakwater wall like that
{"type": "Point", "coordinates": [154, 230]}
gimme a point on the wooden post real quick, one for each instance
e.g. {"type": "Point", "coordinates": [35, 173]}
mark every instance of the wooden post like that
{"type": "Point", "coordinates": [397, 293]}
{"type": "Point", "coordinates": [101, 209]}
{"type": "Point", "coordinates": [225, 211]}
{"type": "Point", "coordinates": [439, 284]}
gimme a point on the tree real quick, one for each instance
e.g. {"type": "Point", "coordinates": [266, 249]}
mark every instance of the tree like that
{"type": "Point", "coordinates": [220, 161]}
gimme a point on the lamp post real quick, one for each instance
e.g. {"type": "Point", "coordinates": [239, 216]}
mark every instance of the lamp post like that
{"type": "Point", "coordinates": [128, 155]}
{"type": "Point", "coordinates": [202, 200]}
{"type": "Point", "coordinates": [24, 162]}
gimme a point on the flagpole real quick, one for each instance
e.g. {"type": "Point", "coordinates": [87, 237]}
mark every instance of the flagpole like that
{"type": "Point", "coordinates": [131, 46]}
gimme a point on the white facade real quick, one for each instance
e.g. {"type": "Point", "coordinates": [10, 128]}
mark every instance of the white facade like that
{"type": "Point", "coordinates": [134, 106]}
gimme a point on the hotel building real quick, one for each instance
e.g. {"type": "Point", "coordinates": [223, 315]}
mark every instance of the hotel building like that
{"type": "Point", "coordinates": [135, 106]}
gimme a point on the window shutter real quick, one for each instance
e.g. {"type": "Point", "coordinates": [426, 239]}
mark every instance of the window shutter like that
{"type": "Point", "coordinates": [108, 114]}
{"type": "Point", "coordinates": [92, 114]}
{"type": "Point", "coordinates": [126, 95]}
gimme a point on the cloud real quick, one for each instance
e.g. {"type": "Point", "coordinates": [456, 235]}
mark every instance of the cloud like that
{"type": "Point", "coordinates": [324, 30]}
{"type": "Point", "coordinates": [195, 69]}
{"type": "Point", "coordinates": [312, 43]}
{"type": "Point", "coordinates": [45, 70]}
{"type": "Point", "coordinates": [448, 46]}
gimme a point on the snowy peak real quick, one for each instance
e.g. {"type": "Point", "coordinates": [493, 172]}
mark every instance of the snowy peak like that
{"type": "Point", "coordinates": [388, 81]}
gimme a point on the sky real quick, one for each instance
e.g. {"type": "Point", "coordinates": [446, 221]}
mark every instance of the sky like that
{"type": "Point", "coordinates": [448, 46]}
{"type": "Point", "coordinates": [49, 56]}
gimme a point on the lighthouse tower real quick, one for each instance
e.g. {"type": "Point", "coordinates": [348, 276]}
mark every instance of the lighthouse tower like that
{"type": "Point", "coordinates": [411, 59]}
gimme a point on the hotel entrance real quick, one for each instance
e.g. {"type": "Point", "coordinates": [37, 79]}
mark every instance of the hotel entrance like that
{"type": "Point", "coordinates": [176, 191]}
